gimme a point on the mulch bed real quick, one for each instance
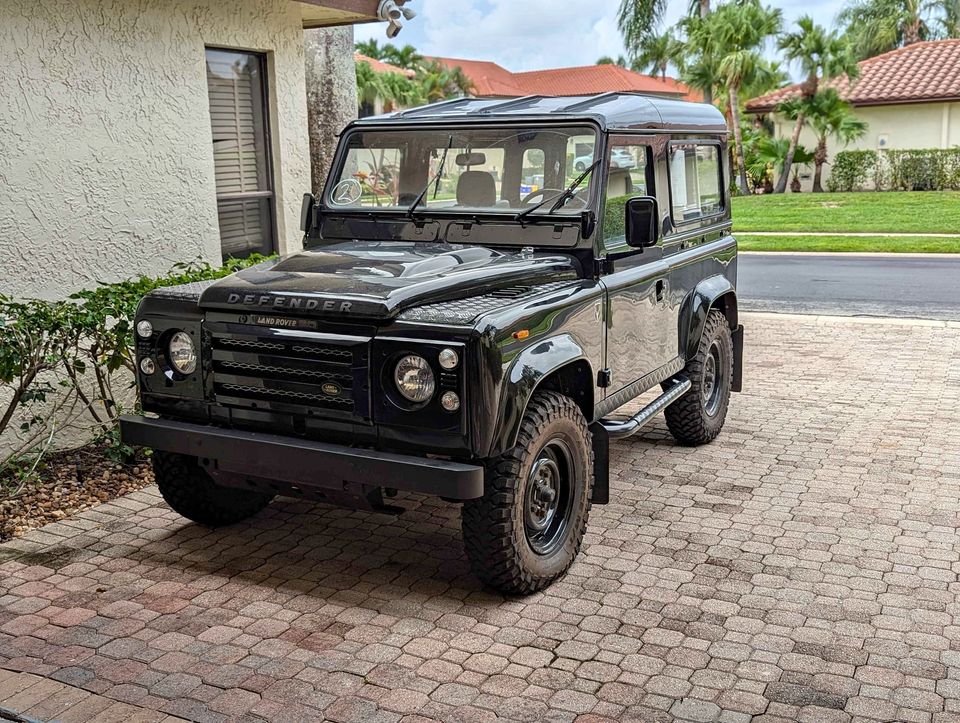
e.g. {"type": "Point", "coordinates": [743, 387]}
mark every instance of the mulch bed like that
{"type": "Point", "coordinates": [70, 481]}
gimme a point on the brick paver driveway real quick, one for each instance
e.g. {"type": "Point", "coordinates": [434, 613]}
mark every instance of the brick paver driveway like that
{"type": "Point", "coordinates": [804, 566]}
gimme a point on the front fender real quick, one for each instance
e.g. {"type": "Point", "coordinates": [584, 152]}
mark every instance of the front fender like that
{"type": "Point", "coordinates": [713, 291]}
{"type": "Point", "coordinates": [527, 370]}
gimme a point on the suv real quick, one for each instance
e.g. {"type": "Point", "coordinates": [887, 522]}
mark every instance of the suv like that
{"type": "Point", "coordinates": [443, 333]}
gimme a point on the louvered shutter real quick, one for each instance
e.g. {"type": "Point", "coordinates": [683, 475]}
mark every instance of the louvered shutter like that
{"type": "Point", "coordinates": [237, 92]}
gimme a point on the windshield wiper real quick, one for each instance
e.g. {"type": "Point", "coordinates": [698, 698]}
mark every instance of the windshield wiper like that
{"type": "Point", "coordinates": [560, 198]}
{"type": "Point", "coordinates": [433, 180]}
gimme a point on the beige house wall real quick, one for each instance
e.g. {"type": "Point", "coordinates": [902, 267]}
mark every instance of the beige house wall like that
{"type": "Point", "coordinates": [903, 127]}
{"type": "Point", "coordinates": [106, 155]}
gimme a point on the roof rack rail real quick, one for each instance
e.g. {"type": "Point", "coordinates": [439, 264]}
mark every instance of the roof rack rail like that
{"type": "Point", "coordinates": [511, 103]}
{"type": "Point", "coordinates": [592, 100]}
{"type": "Point", "coordinates": [430, 107]}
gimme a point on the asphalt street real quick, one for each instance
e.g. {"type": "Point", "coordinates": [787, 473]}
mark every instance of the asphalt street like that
{"type": "Point", "coordinates": [908, 286]}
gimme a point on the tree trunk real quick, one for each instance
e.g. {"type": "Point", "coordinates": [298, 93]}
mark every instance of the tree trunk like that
{"type": "Point", "coordinates": [911, 31]}
{"type": "Point", "coordinates": [704, 8]}
{"type": "Point", "coordinates": [794, 140]}
{"type": "Point", "coordinates": [738, 140]}
{"type": "Point", "coordinates": [819, 158]}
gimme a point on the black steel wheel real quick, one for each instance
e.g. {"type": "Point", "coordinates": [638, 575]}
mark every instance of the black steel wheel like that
{"type": "Point", "coordinates": [698, 416]}
{"type": "Point", "coordinates": [527, 528]}
{"type": "Point", "coordinates": [191, 492]}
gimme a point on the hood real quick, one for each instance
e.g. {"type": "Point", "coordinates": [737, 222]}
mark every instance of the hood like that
{"type": "Point", "coordinates": [379, 280]}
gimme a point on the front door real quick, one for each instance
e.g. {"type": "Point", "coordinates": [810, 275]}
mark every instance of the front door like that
{"type": "Point", "coordinates": [642, 313]}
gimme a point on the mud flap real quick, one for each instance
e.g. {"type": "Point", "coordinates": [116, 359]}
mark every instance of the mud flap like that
{"type": "Point", "coordinates": [737, 376]}
{"type": "Point", "coordinates": [601, 464]}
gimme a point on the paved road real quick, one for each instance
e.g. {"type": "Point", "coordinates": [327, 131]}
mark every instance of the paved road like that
{"type": "Point", "coordinates": [921, 287]}
{"type": "Point", "coordinates": [803, 567]}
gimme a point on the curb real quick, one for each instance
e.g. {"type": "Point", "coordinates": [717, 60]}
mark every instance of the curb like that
{"type": "Point", "coordinates": [827, 320]}
{"type": "Point", "coordinates": [857, 254]}
{"type": "Point", "coordinates": [851, 234]}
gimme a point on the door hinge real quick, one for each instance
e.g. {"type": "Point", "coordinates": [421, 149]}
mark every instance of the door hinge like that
{"type": "Point", "coordinates": [604, 377]}
{"type": "Point", "coordinates": [603, 266]}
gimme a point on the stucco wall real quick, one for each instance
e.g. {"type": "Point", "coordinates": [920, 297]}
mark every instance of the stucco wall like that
{"type": "Point", "coordinates": [924, 125]}
{"type": "Point", "coordinates": [106, 158]}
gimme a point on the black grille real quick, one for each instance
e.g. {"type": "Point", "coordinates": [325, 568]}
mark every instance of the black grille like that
{"type": "Point", "coordinates": [324, 375]}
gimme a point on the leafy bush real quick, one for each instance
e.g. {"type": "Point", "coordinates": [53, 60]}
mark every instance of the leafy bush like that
{"type": "Point", "coordinates": [615, 217]}
{"type": "Point", "coordinates": [851, 169]}
{"type": "Point", "coordinates": [934, 169]}
{"type": "Point", "coordinates": [60, 357]}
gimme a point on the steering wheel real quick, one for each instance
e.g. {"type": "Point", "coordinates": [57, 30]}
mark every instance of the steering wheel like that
{"type": "Point", "coordinates": [575, 202]}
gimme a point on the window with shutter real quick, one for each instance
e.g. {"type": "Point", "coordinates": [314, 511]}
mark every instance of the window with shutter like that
{"type": "Point", "coordinates": [241, 157]}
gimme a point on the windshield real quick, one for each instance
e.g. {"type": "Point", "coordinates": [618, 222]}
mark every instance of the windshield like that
{"type": "Point", "coordinates": [494, 170]}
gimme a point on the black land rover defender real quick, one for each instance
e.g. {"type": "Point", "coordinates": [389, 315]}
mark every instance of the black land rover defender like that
{"type": "Point", "coordinates": [482, 284]}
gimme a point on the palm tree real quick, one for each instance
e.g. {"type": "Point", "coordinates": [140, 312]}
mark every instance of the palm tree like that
{"type": "Point", "coordinates": [656, 52]}
{"type": "Point", "coordinates": [438, 82]}
{"type": "Point", "coordinates": [876, 26]}
{"type": "Point", "coordinates": [828, 115]}
{"type": "Point", "coordinates": [699, 59]}
{"type": "Point", "coordinates": [607, 60]}
{"type": "Point", "coordinates": [770, 156]}
{"type": "Point", "coordinates": [821, 55]}
{"type": "Point", "coordinates": [636, 19]}
{"type": "Point", "coordinates": [406, 57]}
{"type": "Point", "coordinates": [370, 48]}
{"type": "Point", "coordinates": [741, 29]}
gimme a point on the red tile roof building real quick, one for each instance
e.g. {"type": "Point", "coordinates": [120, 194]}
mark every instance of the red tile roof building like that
{"type": "Point", "coordinates": [920, 73]}
{"type": "Point", "coordinates": [378, 66]}
{"type": "Point", "coordinates": [494, 81]}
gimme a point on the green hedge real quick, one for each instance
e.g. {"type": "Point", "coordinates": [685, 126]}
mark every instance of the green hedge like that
{"type": "Point", "coordinates": [58, 359]}
{"type": "Point", "coordinates": [934, 169]}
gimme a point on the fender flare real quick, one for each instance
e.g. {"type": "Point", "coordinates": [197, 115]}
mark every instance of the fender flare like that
{"type": "Point", "coordinates": [531, 366]}
{"type": "Point", "coordinates": [715, 291]}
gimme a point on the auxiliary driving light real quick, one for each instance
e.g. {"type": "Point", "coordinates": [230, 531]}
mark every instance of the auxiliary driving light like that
{"type": "Point", "coordinates": [450, 401]}
{"type": "Point", "coordinates": [147, 366]}
{"type": "Point", "coordinates": [449, 359]}
{"type": "Point", "coordinates": [144, 329]}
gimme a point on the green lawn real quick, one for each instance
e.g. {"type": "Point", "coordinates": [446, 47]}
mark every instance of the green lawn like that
{"type": "Point", "coordinates": [872, 244]}
{"type": "Point", "coordinates": [915, 212]}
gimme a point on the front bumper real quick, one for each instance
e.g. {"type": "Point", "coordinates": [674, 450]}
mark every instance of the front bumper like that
{"type": "Point", "coordinates": [303, 462]}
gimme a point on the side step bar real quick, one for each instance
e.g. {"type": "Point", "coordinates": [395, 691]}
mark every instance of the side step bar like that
{"type": "Point", "coordinates": [618, 429]}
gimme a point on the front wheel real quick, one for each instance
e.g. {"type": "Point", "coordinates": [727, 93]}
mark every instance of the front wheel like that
{"type": "Point", "coordinates": [697, 417]}
{"type": "Point", "coordinates": [190, 491]}
{"type": "Point", "coordinates": [527, 528]}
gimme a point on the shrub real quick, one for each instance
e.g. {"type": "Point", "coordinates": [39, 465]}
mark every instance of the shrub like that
{"type": "Point", "coordinates": [851, 169]}
{"type": "Point", "coordinates": [933, 169]}
{"type": "Point", "coordinates": [66, 353]}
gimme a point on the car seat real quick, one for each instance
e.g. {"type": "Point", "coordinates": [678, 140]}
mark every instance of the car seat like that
{"type": "Point", "coordinates": [476, 189]}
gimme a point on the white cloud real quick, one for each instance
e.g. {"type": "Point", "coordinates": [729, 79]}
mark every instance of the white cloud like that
{"type": "Point", "coordinates": [535, 34]}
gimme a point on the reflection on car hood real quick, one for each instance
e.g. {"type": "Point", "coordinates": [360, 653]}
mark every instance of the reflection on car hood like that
{"type": "Point", "coordinates": [378, 280]}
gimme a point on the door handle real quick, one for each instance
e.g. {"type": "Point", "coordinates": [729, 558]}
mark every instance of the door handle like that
{"type": "Point", "coordinates": [661, 289]}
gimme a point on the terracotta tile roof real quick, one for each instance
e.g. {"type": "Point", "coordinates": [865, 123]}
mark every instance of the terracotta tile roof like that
{"type": "Point", "coordinates": [378, 66]}
{"type": "Point", "coordinates": [492, 80]}
{"type": "Point", "coordinates": [918, 73]}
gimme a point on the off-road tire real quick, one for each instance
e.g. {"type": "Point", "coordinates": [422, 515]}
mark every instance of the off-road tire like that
{"type": "Point", "coordinates": [690, 419]}
{"type": "Point", "coordinates": [494, 528]}
{"type": "Point", "coordinates": [190, 491]}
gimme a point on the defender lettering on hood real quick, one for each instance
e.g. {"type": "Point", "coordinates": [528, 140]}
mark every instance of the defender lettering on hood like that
{"type": "Point", "coordinates": [291, 303]}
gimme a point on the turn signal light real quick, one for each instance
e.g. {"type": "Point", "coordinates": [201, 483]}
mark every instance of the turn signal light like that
{"type": "Point", "coordinates": [522, 334]}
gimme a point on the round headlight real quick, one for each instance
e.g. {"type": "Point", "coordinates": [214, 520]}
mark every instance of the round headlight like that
{"type": "Point", "coordinates": [145, 329]}
{"type": "Point", "coordinates": [449, 359]}
{"type": "Point", "coordinates": [182, 353]}
{"type": "Point", "coordinates": [414, 378]}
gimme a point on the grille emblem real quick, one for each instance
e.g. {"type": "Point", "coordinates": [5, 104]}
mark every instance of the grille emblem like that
{"type": "Point", "coordinates": [331, 389]}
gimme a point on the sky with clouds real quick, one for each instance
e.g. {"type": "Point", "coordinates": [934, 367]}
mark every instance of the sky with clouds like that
{"type": "Point", "coordinates": [535, 34]}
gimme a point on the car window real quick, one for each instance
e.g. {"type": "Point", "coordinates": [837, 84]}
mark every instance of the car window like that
{"type": "Point", "coordinates": [694, 181]}
{"type": "Point", "coordinates": [627, 177]}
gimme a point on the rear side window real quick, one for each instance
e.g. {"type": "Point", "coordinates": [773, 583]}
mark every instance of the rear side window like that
{"type": "Point", "coordinates": [695, 190]}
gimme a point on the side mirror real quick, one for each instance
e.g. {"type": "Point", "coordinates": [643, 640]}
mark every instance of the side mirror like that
{"type": "Point", "coordinates": [642, 222]}
{"type": "Point", "coordinates": [306, 212]}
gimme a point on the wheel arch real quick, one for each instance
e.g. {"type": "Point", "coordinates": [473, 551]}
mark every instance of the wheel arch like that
{"type": "Point", "coordinates": [715, 292]}
{"type": "Point", "coordinates": [556, 364]}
